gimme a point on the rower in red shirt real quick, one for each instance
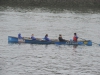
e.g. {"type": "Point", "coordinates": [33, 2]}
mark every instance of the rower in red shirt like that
{"type": "Point", "coordinates": [75, 37]}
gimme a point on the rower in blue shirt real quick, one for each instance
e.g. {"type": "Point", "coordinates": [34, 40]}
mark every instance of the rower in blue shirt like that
{"type": "Point", "coordinates": [19, 36]}
{"type": "Point", "coordinates": [32, 37]}
{"type": "Point", "coordinates": [46, 38]}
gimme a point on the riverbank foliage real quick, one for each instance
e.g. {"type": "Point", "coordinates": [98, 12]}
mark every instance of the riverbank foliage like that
{"type": "Point", "coordinates": [52, 3]}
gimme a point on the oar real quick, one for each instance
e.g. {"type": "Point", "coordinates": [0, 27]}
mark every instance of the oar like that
{"type": "Point", "coordinates": [96, 43]}
{"type": "Point", "coordinates": [82, 38]}
{"type": "Point", "coordinates": [92, 42]}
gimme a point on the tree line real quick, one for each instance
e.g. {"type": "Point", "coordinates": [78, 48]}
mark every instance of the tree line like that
{"type": "Point", "coordinates": [52, 3]}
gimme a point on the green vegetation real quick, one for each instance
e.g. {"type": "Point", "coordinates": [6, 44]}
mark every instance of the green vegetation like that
{"type": "Point", "coordinates": [52, 3]}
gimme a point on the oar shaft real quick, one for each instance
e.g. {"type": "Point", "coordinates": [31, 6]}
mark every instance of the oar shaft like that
{"type": "Point", "coordinates": [82, 38]}
{"type": "Point", "coordinates": [95, 43]}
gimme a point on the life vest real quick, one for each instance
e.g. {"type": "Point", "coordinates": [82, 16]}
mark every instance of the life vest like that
{"type": "Point", "coordinates": [33, 38]}
{"type": "Point", "coordinates": [19, 36]}
{"type": "Point", "coordinates": [75, 38]}
{"type": "Point", "coordinates": [46, 38]}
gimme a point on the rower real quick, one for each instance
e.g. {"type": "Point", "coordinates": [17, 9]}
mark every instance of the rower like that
{"type": "Point", "coordinates": [61, 39]}
{"type": "Point", "coordinates": [75, 37]}
{"type": "Point", "coordinates": [46, 38]}
{"type": "Point", "coordinates": [32, 37]}
{"type": "Point", "coordinates": [19, 36]}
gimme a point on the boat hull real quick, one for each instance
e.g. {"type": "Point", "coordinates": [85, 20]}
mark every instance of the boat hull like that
{"type": "Point", "coordinates": [88, 43]}
{"type": "Point", "coordinates": [12, 39]}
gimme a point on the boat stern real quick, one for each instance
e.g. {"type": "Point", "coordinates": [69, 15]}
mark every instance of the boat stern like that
{"type": "Point", "coordinates": [12, 39]}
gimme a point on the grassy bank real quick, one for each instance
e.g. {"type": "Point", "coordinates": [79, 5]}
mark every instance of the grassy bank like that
{"type": "Point", "coordinates": [52, 3]}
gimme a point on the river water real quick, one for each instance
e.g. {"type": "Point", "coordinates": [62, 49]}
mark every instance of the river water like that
{"type": "Point", "coordinates": [31, 59]}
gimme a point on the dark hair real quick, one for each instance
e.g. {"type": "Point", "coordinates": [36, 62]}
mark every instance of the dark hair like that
{"type": "Point", "coordinates": [59, 34]}
{"type": "Point", "coordinates": [46, 35]}
{"type": "Point", "coordinates": [74, 33]}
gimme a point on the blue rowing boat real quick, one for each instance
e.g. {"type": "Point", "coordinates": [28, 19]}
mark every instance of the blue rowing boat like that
{"type": "Point", "coordinates": [12, 39]}
{"type": "Point", "coordinates": [87, 42]}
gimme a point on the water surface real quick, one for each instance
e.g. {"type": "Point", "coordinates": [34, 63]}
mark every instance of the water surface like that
{"type": "Point", "coordinates": [31, 59]}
